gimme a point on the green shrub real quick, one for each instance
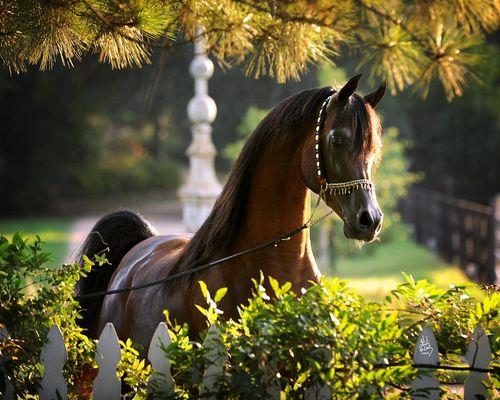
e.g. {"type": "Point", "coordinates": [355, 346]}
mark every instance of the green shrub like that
{"type": "Point", "coordinates": [328, 334]}
{"type": "Point", "coordinates": [32, 299]}
{"type": "Point", "coordinates": [334, 336]}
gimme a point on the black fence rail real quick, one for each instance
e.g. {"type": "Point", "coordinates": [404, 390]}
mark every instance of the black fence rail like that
{"type": "Point", "coordinates": [459, 231]}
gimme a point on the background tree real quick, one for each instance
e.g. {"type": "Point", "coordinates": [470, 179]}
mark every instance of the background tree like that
{"type": "Point", "coordinates": [407, 42]}
{"type": "Point", "coordinates": [60, 130]}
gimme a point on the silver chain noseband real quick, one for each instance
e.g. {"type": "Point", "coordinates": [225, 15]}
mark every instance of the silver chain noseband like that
{"type": "Point", "coordinates": [337, 188]}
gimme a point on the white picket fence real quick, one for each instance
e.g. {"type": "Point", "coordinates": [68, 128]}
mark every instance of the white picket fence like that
{"type": "Point", "coordinates": [107, 386]}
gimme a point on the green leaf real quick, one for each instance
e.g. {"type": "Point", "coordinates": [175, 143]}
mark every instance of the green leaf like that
{"type": "Point", "coordinates": [204, 290]}
{"type": "Point", "coordinates": [286, 287]}
{"type": "Point", "coordinates": [219, 295]}
{"type": "Point", "coordinates": [202, 310]}
{"type": "Point", "coordinates": [275, 286]}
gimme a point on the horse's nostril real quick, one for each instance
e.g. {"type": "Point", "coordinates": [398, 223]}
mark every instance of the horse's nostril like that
{"type": "Point", "coordinates": [365, 220]}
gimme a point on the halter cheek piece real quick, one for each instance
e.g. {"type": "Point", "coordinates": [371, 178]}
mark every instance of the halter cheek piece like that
{"type": "Point", "coordinates": [335, 188]}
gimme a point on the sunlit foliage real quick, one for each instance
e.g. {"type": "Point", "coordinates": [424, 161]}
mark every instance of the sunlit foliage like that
{"type": "Point", "coordinates": [328, 334]}
{"type": "Point", "coordinates": [360, 349]}
{"type": "Point", "coordinates": [33, 297]}
{"type": "Point", "coordinates": [409, 43]}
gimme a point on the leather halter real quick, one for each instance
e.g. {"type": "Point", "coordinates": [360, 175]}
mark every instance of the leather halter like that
{"type": "Point", "coordinates": [335, 188]}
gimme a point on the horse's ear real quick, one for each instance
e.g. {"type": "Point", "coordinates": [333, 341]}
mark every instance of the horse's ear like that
{"type": "Point", "coordinates": [347, 91]}
{"type": "Point", "coordinates": [374, 97]}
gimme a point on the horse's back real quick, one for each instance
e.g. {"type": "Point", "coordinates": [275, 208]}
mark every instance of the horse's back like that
{"type": "Point", "coordinates": [149, 260]}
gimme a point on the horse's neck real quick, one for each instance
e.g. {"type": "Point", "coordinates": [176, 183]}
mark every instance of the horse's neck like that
{"type": "Point", "coordinates": [279, 202]}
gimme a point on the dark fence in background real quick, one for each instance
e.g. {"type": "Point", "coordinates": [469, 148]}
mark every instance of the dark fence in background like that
{"type": "Point", "coordinates": [459, 231]}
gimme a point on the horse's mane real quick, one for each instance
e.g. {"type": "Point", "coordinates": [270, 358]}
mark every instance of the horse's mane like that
{"type": "Point", "coordinates": [219, 230]}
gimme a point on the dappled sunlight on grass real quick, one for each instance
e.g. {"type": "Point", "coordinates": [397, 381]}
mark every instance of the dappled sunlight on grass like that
{"type": "Point", "coordinates": [448, 275]}
{"type": "Point", "coordinates": [373, 288]}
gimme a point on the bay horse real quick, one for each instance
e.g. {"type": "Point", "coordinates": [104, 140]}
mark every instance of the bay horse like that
{"type": "Point", "coordinates": [267, 194]}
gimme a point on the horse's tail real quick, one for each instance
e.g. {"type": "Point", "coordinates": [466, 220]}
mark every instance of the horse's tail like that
{"type": "Point", "coordinates": [114, 234]}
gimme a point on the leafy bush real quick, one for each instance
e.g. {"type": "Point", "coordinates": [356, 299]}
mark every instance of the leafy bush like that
{"type": "Point", "coordinates": [331, 335]}
{"type": "Point", "coordinates": [32, 299]}
{"type": "Point", "coordinates": [131, 157]}
{"type": "Point", "coordinates": [328, 334]}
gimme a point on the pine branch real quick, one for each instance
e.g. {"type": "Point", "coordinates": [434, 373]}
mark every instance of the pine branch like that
{"type": "Point", "coordinates": [113, 26]}
{"type": "Point", "coordinates": [168, 46]}
{"type": "Point", "coordinates": [392, 20]}
{"type": "Point", "coordinates": [286, 17]}
{"type": "Point", "coordinates": [273, 38]}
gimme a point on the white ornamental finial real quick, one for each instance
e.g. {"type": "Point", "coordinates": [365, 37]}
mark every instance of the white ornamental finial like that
{"type": "Point", "coordinates": [202, 187]}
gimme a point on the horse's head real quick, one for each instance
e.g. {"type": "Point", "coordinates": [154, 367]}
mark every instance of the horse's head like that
{"type": "Point", "coordinates": [346, 149]}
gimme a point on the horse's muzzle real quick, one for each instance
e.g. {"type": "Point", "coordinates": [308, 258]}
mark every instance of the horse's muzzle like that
{"type": "Point", "coordinates": [366, 226]}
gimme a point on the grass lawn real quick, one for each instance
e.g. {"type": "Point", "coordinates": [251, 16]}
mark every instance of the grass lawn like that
{"type": "Point", "coordinates": [375, 273]}
{"type": "Point", "coordinates": [55, 232]}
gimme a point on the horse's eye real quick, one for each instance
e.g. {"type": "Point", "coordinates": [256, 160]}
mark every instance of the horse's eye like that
{"type": "Point", "coordinates": [337, 139]}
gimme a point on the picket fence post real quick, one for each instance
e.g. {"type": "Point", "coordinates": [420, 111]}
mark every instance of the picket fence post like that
{"type": "Point", "coordinates": [320, 391]}
{"type": "Point", "coordinates": [478, 356]}
{"type": "Point", "coordinates": [53, 357]}
{"type": "Point", "coordinates": [7, 389]}
{"type": "Point", "coordinates": [161, 380]}
{"type": "Point", "coordinates": [107, 386]}
{"type": "Point", "coordinates": [215, 358]}
{"type": "Point", "coordinates": [425, 385]}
